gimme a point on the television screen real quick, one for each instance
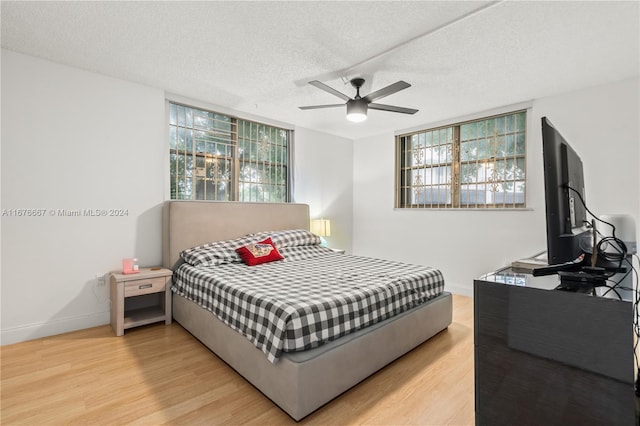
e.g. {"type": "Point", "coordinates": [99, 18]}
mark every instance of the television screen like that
{"type": "Point", "coordinates": [567, 234]}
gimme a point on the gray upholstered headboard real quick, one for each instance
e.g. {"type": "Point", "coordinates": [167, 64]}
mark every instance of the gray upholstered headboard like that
{"type": "Point", "coordinates": [190, 223]}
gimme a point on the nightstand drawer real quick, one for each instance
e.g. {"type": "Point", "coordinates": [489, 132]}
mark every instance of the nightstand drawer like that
{"type": "Point", "coordinates": [144, 286]}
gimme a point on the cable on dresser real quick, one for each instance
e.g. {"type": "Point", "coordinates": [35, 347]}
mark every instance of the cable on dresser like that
{"type": "Point", "coordinates": [619, 256]}
{"type": "Point", "coordinates": [606, 242]}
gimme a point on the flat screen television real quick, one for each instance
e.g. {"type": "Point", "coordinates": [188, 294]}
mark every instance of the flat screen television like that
{"type": "Point", "coordinates": [568, 236]}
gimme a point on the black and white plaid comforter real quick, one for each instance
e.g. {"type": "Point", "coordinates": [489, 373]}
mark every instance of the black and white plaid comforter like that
{"type": "Point", "coordinates": [312, 297]}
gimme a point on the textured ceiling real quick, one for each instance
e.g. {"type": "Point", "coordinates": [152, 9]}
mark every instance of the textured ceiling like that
{"type": "Point", "coordinates": [256, 57]}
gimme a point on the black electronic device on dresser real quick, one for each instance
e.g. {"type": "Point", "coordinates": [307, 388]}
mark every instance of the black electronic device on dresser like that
{"type": "Point", "coordinates": [549, 357]}
{"type": "Point", "coordinates": [571, 245]}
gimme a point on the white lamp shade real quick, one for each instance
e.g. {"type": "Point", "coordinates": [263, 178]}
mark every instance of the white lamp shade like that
{"type": "Point", "coordinates": [357, 110]}
{"type": "Point", "coordinates": [321, 227]}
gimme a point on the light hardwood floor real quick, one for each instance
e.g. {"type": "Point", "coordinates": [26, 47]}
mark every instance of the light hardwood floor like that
{"type": "Point", "coordinates": [160, 374]}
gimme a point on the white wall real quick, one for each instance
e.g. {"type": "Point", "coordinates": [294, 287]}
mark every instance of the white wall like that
{"type": "Point", "coordinates": [601, 123]}
{"type": "Point", "coordinates": [72, 139]}
{"type": "Point", "coordinates": [323, 179]}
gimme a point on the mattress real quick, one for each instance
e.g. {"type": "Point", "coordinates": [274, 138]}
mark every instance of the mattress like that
{"type": "Point", "coordinates": [312, 297]}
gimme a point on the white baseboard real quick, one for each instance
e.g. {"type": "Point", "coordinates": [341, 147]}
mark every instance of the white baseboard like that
{"type": "Point", "coordinates": [50, 328]}
{"type": "Point", "coordinates": [459, 289]}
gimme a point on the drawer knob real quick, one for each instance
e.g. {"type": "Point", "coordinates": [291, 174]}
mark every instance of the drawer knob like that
{"type": "Point", "coordinates": [145, 286]}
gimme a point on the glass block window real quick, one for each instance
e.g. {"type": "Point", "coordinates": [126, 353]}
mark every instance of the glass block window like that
{"type": "Point", "coordinates": [218, 157]}
{"type": "Point", "coordinates": [475, 164]}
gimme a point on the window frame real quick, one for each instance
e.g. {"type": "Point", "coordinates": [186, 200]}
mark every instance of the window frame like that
{"type": "Point", "coordinates": [456, 163]}
{"type": "Point", "coordinates": [235, 120]}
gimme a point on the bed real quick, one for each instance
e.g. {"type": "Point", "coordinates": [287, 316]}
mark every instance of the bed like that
{"type": "Point", "coordinates": [298, 382]}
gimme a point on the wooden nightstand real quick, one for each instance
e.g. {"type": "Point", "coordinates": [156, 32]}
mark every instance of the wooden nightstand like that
{"type": "Point", "coordinates": [139, 299]}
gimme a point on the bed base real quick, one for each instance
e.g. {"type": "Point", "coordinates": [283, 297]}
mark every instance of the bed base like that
{"type": "Point", "coordinates": [300, 383]}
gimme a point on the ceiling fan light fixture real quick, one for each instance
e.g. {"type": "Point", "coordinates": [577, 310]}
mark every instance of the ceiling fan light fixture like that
{"type": "Point", "coordinates": [356, 110]}
{"type": "Point", "coordinates": [358, 106]}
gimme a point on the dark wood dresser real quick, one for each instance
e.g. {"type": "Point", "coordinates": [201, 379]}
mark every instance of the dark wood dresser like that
{"type": "Point", "coordinates": [550, 357]}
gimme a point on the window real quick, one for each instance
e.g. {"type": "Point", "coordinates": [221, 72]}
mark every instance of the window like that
{"type": "Point", "coordinates": [218, 157]}
{"type": "Point", "coordinates": [475, 164]}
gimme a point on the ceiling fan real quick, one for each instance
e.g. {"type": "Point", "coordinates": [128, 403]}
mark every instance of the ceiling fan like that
{"type": "Point", "coordinates": [357, 106]}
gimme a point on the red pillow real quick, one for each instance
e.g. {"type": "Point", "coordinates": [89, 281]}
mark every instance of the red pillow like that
{"type": "Point", "coordinates": [260, 252]}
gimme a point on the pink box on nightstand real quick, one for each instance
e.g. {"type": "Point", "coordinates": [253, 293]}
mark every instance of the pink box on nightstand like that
{"type": "Point", "coordinates": [130, 265]}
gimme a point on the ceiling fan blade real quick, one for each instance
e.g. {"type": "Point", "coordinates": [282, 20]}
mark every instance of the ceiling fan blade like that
{"type": "Point", "coordinates": [386, 91]}
{"type": "Point", "coordinates": [321, 106]}
{"type": "Point", "coordinates": [392, 108]}
{"type": "Point", "coordinates": [328, 89]}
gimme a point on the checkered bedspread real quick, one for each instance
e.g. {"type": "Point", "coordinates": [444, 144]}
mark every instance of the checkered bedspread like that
{"type": "Point", "coordinates": [312, 297]}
